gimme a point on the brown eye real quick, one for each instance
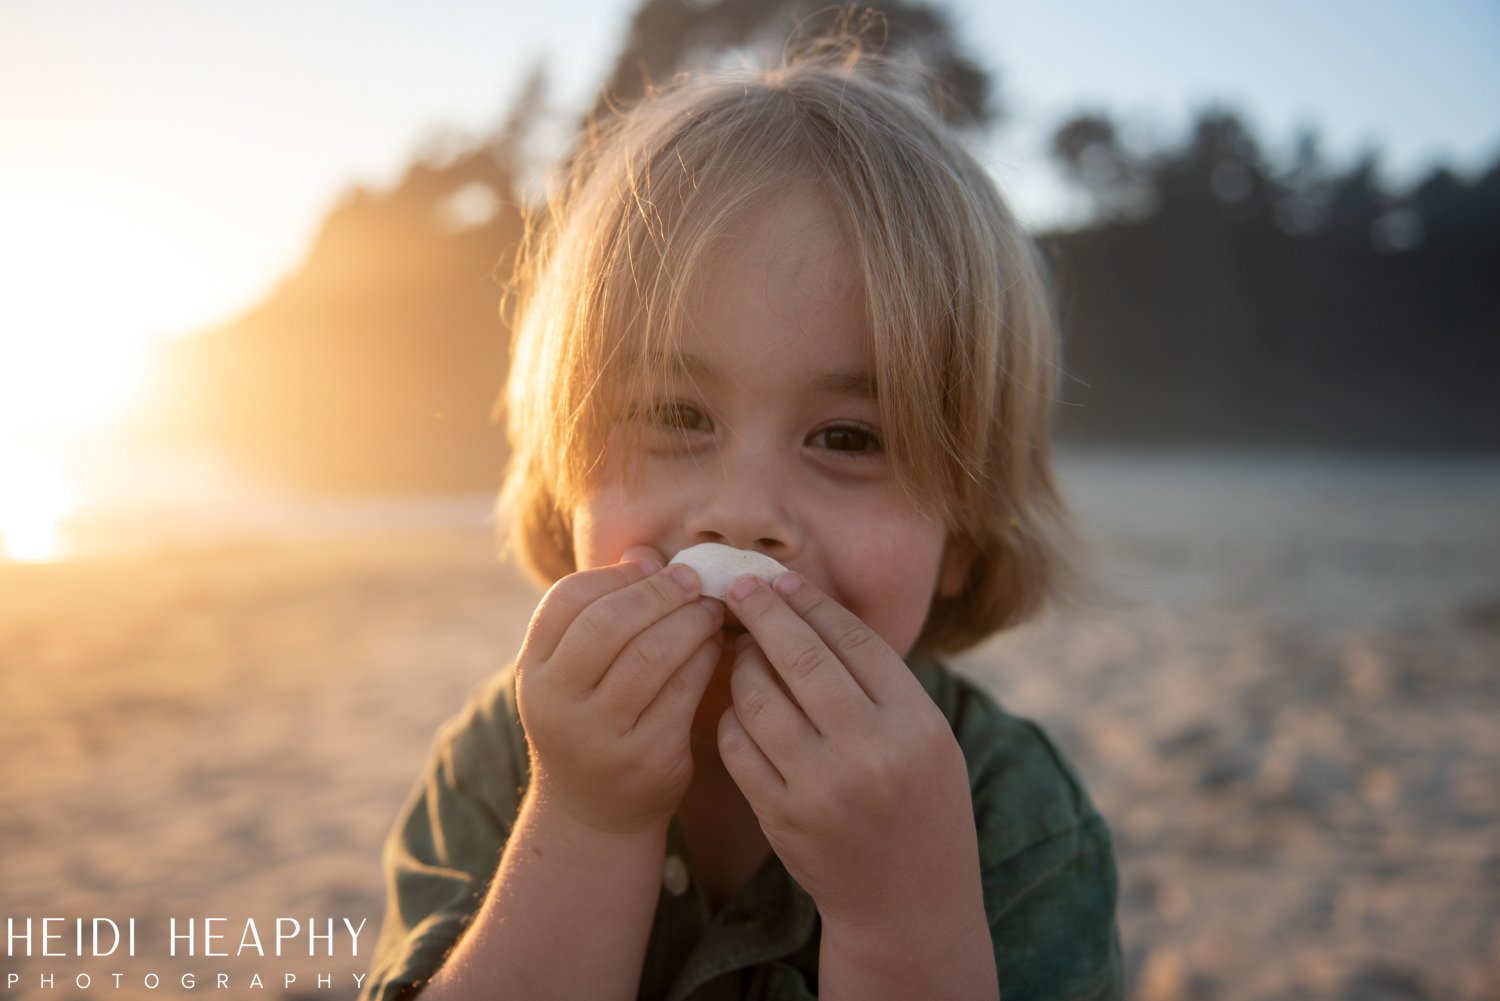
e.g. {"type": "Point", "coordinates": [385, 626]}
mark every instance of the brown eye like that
{"type": "Point", "coordinates": [848, 438]}
{"type": "Point", "coordinates": [671, 415]}
{"type": "Point", "coordinates": [681, 416]}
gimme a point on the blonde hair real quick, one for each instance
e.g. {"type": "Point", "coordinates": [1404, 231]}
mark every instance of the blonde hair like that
{"type": "Point", "coordinates": [964, 343]}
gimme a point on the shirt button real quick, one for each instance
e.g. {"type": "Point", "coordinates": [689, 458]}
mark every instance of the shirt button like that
{"type": "Point", "coordinates": [674, 876]}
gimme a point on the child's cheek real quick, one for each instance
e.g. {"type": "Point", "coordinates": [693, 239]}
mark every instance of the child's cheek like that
{"type": "Point", "coordinates": [890, 577]}
{"type": "Point", "coordinates": [606, 526]}
{"type": "Point", "coordinates": [592, 537]}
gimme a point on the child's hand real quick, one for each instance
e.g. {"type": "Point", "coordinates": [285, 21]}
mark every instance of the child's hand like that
{"type": "Point", "coordinates": [854, 773]}
{"type": "Point", "coordinates": [615, 662]}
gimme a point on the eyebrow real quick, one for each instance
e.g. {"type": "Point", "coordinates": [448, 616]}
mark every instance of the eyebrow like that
{"type": "Point", "coordinates": [860, 383]}
{"type": "Point", "coordinates": [857, 383]}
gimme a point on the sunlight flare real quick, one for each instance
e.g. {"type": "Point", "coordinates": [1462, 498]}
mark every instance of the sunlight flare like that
{"type": "Point", "coordinates": [36, 500]}
{"type": "Point", "coordinates": [79, 332]}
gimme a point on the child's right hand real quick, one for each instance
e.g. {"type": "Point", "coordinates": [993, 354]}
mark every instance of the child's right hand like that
{"type": "Point", "coordinates": [614, 665]}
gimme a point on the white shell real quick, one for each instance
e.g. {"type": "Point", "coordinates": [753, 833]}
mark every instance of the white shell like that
{"type": "Point", "coordinates": [719, 566]}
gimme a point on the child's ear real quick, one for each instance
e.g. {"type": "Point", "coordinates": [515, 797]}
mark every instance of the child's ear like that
{"type": "Point", "coordinates": [953, 573]}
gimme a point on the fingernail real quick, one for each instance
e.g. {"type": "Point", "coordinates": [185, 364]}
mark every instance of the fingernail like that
{"type": "Point", "coordinates": [685, 577]}
{"type": "Point", "coordinates": [741, 588]}
{"type": "Point", "coordinates": [787, 584]}
{"type": "Point", "coordinates": [742, 641]}
{"type": "Point", "coordinates": [642, 557]}
{"type": "Point", "coordinates": [714, 606]}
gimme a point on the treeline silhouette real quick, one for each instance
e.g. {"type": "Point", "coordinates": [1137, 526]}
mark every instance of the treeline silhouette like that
{"type": "Point", "coordinates": [1220, 298]}
{"type": "Point", "coordinates": [1214, 296]}
{"type": "Point", "coordinates": [375, 365]}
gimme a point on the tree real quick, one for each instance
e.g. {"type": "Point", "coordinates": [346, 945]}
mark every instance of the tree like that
{"type": "Point", "coordinates": [668, 36]}
{"type": "Point", "coordinates": [1088, 149]}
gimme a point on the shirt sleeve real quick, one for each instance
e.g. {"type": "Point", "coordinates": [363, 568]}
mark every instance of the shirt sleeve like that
{"type": "Point", "coordinates": [1046, 857]}
{"type": "Point", "coordinates": [446, 844]}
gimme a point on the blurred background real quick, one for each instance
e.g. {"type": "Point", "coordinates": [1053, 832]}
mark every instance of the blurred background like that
{"type": "Point", "coordinates": [250, 339]}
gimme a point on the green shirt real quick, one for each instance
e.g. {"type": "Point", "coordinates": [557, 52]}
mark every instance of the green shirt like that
{"type": "Point", "coordinates": [1046, 863]}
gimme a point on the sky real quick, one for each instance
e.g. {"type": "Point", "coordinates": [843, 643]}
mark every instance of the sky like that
{"type": "Point", "coordinates": [164, 163]}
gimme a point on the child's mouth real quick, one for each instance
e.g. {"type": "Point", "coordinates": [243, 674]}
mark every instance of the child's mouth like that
{"type": "Point", "coordinates": [732, 629]}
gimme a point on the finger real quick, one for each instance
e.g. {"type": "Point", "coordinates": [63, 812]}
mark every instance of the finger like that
{"type": "Point", "coordinates": [817, 679]}
{"type": "Point", "coordinates": [877, 668]}
{"type": "Point", "coordinates": [602, 629]}
{"type": "Point", "coordinates": [568, 597]}
{"type": "Point", "coordinates": [649, 559]}
{"type": "Point", "coordinates": [671, 711]}
{"type": "Point", "coordinates": [648, 662]}
{"type": "Point", "coordinates": [773, 719]}
{"type": "Point", "coordinates": [751, 770]}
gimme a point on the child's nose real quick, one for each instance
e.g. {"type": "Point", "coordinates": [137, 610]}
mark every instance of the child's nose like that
{"type": "Point", "coordinates": [748, 505]}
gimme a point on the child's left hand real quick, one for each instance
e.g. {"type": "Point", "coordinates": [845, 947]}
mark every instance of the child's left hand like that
{"type": "Point", "coordinates": [854, 773]}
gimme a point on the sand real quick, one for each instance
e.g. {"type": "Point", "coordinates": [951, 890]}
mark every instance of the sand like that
{"type": "Point", "coordinates": [1290, 713]}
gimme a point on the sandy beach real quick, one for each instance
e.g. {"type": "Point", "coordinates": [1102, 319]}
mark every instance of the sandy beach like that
{"type": "Point", "coordinates": [1289, 710]}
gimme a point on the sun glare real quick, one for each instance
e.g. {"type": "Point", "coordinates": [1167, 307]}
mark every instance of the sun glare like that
{"type": "Point", "coordinates": [37, 500]}
{"type": "Point", "coordinates": [76, 351]}
{"type": "Point", "coordinates": [56, 398]}
{"type": "Point", "coordinates": [69, 368]}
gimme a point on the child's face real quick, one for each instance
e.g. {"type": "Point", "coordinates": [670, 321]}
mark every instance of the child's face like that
{"type": "Point", "coordinates": [772, 440]}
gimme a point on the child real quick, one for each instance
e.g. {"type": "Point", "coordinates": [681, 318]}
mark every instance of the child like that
{"type": "Point", "coordinates": [790, 314]}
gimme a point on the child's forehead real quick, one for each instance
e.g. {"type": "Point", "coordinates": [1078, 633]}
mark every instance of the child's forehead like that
{"type": "Point", "coordinates": [788, 249]}
{"type": "Point", "coordinates": [788, 221]}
